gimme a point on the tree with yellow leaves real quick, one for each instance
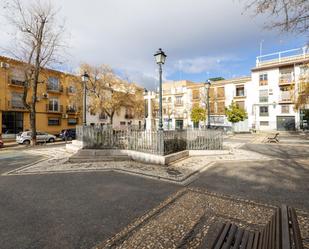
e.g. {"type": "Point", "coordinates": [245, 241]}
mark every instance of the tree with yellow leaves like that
{"type": "Point", "coordinates": [108, 93]}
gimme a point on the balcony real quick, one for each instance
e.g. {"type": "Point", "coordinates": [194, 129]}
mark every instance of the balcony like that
{"type": "Point", "coordinates": [14, 82]}
{"type": "Point", "coordinates": [54, 108]}
{"type": "Point", "coordinates": [16, 105]}
{"type": "Point", "coordinates": [71, 110]}
{"type": "Point", "coordinates": [53, 89]}
{"type": "Point", "coordinates": [285, 97]}
{"type": "Point", "coordinates": [179, 103]}
{"type": "Point", "coordinates": [166, 92]}
{"type": "Point", "coordinates": [286, 79]}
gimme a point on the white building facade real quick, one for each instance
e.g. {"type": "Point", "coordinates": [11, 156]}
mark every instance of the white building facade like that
{"type": "Point", "coordinates": [274, 88]}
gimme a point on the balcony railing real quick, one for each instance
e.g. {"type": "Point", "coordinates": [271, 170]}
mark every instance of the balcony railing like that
{"type": "Point", "coordinates": [51, 88]}
{"type": "Point", "coordinates": [285, 96]}
{"type": "Point", "coordinates": [16, 105]}
{"type": "Point", "coordinates": [15, 82]}
{"type": "Point", "coordinates": [282, 56]}
{"type": "Point", "coordinates": [285, 79]}
{"type": "Point", "coordinates": [71, 109]}
{"type": "Point", "coordinates": [179, 103]}
{"type": "Point", "coordinates": [53, 108]}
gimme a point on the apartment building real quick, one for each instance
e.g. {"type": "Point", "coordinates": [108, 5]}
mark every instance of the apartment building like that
{"type": "Point", "coordinates": [57, 106]}
{"type": "Point", "coordinates": [176, 104]}
{"type": "Point", "coordinates": [122, 118]}
{"type": "Point", "coordinates": [221, 94]}
{"type": "Point", "coordinates": [268, 95]}
{"type": "Point", "coordinates": [179, 97]}
{"type": "Point", "coordinates": [275, 85]}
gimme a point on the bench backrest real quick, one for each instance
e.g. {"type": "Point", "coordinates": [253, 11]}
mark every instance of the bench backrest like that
{"type": "Point", "coordinates": [281, 232]}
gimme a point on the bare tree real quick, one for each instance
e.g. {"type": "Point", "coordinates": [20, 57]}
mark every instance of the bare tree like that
{"type": "Point", "coordinates": [108, 93]}
{"type": "Point", "coordinates": [287, 15]}
{"type": "Point", "coordinates": [37, 43]}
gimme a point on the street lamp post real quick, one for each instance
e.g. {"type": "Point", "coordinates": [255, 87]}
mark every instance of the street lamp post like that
{"type": "Point", "coordinates": [207, 86]}
{"type": "Point", "coordinates": [145, 107]}
{"type": "Point", "coordinates": [160, 59]}
{"type": "Point", "coordinates": [85, 78]}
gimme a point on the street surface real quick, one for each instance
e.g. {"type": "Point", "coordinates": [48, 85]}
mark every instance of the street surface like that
{"type": "Point", "coordinates": [81, 209]}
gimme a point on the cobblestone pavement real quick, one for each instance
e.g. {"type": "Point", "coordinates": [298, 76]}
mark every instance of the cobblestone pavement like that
{"type": "Point", "coordinates": [191, 218]}
{"type": "Point", "coordinates": [181, 172]}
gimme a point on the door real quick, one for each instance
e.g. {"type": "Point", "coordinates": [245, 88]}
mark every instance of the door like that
{"type": "Point", "coordinates": [41, 137]}
{"type": "Point", "coordinates": [179, 124]}
{"type": "Point", "coordinates": [285, 123]}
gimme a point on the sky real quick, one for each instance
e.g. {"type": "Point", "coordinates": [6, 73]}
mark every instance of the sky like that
{"type": "Point", "coordinates": [202, 38]}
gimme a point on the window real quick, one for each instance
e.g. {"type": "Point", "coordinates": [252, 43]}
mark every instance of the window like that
{"type": "Point", "coordinates": [72, 121]}
{"type": "Point", "coordinates": [220, 92]}
{"type": "Point", "coordinates": [71, 89]}
{"type": "Point", "coordinates": [17, 101]}
{"type": "Point", "coordinates": [53, 105]}
{"type": "Point", "coordinates": [129, 113]}
{"type": "Point", "coordinates": [53, 121]}
{"type": "Point", "coordinates": [263, 79]}
{"type": "Point", "coordinates": [102, 115]}
{"type": "Point", "coordinates": [17, 77]}
{"type": "Point", "coordinates": [285, 109]}
{"type": "Point", "coordinates": [122, 123]}
{"type": "Point", "coordinates": [12, 122]}
{"type": "Point", "coordinates": [304, 70]}
{"type": "Point", "coordinates": [264, 123]}
{"type": "Point", "coordinates": [169, 99]}
{"type": "Point", "coordinates": [264, 96]}
{"type": "Point", "coordinates": [195, 94]}
{"type": "Point", "coordinates": [221, 108]}
{"type": "Point", "coordinates": [212, 107]}
{"type": "Point", "coordinates": [178, 100]}
{"type": "Point", "coordinates": [240, 91]}
{"type": "Point", "coordinates": [53, 84]}
{"type": "Point", "coordinates": [241, 104]}
{"type": "Point", "coordinates": [263, 111]}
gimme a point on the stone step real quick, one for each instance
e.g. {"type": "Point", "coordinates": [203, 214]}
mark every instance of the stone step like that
{"type": "Point", "coordinates": [84, 159]}
{"type": "Point", "coordinates": [93, 152]}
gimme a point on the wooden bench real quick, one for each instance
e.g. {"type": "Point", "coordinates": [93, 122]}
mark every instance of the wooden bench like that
{"type": "Point", "coordinates": [273, 139]}
{"type": "Point", "coordinates": [281, 232]}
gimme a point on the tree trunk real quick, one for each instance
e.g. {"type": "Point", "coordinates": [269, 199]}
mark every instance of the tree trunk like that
{"type": "Point", "coordinates": [111, 118]}
{"type": "Point", "coordinates": [33, 127]}
{"type": "Point", "coordinates": [37, 70]}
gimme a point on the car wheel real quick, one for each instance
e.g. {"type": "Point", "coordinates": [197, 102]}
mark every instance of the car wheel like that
{"type": "Point", "coordinates": [69, 138]}
{"type": "Point", "coordinates": [51, 140]}
{"type": "Point", "coordinates": [26, 142]}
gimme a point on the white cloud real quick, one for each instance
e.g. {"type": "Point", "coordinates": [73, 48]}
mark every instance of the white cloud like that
{"type": "Point", "coordinates": [203, 64]}
{"type": "Point", "coordinates": [125, 34]}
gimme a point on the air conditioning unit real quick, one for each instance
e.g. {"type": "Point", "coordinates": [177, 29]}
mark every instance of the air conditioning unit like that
{"type": "Point", "coordinates": [65, 115]}
{"type": "Point", "coordinates": [45, 95]}
{"type": "Point", "coordinates": [4, 65]}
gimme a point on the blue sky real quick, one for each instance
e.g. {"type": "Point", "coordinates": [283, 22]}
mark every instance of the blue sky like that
{"type": "Point", "coordinates": [202, 38]}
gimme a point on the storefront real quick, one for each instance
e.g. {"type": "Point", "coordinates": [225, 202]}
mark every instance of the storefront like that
{"type": "Point", "coordinates": [12, 122]}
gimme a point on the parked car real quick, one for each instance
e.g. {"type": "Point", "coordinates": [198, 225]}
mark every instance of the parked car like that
{"type": "Point", "coordinates": [41, 137]}
{"type": "Point", "coordinates": [1, 141]}
{"type": "Point", "coordinates": [68, 134]}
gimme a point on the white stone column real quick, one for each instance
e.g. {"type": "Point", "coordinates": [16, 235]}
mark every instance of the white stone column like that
{"type": "Point", "coordinates": [150, 95]}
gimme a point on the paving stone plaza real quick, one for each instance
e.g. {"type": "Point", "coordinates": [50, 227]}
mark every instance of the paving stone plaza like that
{"type": "Point", "coordinates": [243, 184]}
